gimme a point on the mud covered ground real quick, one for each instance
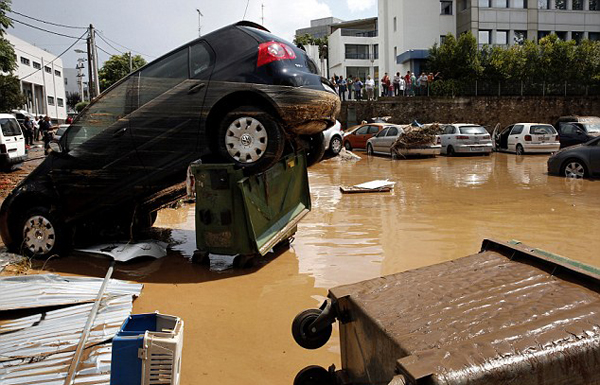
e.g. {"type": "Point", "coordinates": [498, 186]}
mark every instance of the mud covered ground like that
{"type": "Point", "coordinates": [237, 322]}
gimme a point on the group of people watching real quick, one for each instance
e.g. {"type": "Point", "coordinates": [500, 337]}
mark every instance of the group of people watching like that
{"type": "Point", "coordinates": [35, 129]}
{"type": "Point", "coordinates": [407, 85]}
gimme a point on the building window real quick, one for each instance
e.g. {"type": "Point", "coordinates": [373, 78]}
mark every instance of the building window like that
{"type": "Point", "coordinates": [560, 4]}
{"type": "Point", "coordinates": [578, 5]}
{"type": "Point", "coordinates": [502, 37]}
{"type": "Point", "coordinates": [376, 52]}
{"type": "Point", "coordinates": [519, 3]}
{"type": "Point", "coordinates": [484, 3]}
{"type": "Point", "coordinates": [594, 5]}
{"type": "Point", "coordinates": [484, 36]}
{"type": "Point", "coordinates": [357, 51]}
{"type": "Point", "coordinates": [577, 36]}
{"type": "Point", "coordinates": [37, 65]}
{"type": "Point", "coordinates": [395, 25]}
{"type": "Point", "coordinates": [446, 7]}
{"type": "Point", "coordinates": [60, 102]}
{"type": "Point", "coordinates": [542, 34]}
{"type": "Point", "coordinates": [395, 53]}
{"type": "Point", "coordinates": [57, 73]}
{"type": "Point", "coordinates": [500, 3]}
{"type": "Point", "coordinates": [51, 100]}
{"type": "Point", "coordinates": [24, 60]}
{"type": "Point", "coordinates": [442, 39]}
{"type": "Point", "coordinates": [520, 37]}
{"type": "Point", "coordinates": [594, 36]}
{"type": "Point", "coordinates": [562, 35]}
{"type": "Point", "coordinates": [48, 69]}
{"type": "Point", "coordinates": [543, 4]}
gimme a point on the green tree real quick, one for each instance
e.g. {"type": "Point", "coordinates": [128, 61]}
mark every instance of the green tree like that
{"type": "Point", "coordinates": [10, 89]}
{"type": "Point", "coordinates": [80, 106]}
{"type": "Point", "coordinates": [586, 61]}
{"type": "Point", "coordinates": [117, 67]}
{"type": "Point", "coordinates": [456, 59]}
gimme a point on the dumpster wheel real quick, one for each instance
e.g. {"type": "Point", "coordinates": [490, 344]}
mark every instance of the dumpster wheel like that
{"type": "Point", "coordinates": [304, 336]}
{"type": "Point", "coordinates": [313, 375]}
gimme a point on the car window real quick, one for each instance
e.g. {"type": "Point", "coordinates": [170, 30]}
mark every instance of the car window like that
{"type": "Point", "coordinates": [592, 128]}
{"type": "Point", "coordinates": [363, 130]}
{"type": "Point", "coordinates": [373, 129]}
{"type": "Point", "coordinates": [542, 130]}
{"type": "Point", "coordinates": [472, 130]}
{"type": "Point", "coordinates": [517, 129]}
{"type": "Point", "coordinates": [382, 133]}
{"type": "Point", "coordinates": [159, 77]}
{"type": "Point", "coordinates": [568, 129]}
{"type": "Point", "coordinates": [449, 130]}
{"type": "Point", "coordinates": [200, 60]}
{"type": "Point", "coordinates": [10, 127]}
{"type": "Point", "coordinates": [393, 131]}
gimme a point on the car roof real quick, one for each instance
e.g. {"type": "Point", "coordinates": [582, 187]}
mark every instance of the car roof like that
{"type": "Point", "coordinates": [4, 116]}
{"type": "Point", "coordinates": [459, 125]}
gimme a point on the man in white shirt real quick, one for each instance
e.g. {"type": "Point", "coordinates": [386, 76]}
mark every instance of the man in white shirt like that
{"type": "Point", "coordinates": [370, 87]}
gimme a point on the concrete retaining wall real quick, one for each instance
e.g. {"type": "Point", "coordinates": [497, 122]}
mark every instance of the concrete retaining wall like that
{"type": "Point", "coordinates": [487, 111]}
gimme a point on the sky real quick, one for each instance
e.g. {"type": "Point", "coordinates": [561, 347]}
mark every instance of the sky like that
{"type": "Point", "coordinates": [155, 27]}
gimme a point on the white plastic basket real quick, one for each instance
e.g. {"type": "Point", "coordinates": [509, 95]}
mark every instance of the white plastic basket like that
{"type": "Point", "coordinates": [161, 352]}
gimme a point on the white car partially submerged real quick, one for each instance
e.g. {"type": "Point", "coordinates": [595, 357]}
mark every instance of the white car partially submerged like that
{"type": "Point", "coordinates": [522, 138]}
{"type": "Point", "coordinates": [333, 138]}
{"type": "Point", "coordinates": [464, 138]}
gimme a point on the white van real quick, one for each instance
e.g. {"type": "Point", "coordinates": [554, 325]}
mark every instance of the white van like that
{"type": "Point", "coordinates": [12, 142]}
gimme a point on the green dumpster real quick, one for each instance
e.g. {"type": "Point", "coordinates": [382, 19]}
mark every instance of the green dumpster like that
{"type": "Point", "coordinates": [249, 215]}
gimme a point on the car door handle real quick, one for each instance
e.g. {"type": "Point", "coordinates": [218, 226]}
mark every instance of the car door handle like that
{"type": "Point", "coordinates": [120, 132]}
{"type": "Point", "coordinates": [196, 87]}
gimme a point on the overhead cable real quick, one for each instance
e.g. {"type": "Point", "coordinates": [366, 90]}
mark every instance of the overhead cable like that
{"type": "Point", "coordinates": [47, 22]}
{"type": "Point", "coordinates": [42, 29]}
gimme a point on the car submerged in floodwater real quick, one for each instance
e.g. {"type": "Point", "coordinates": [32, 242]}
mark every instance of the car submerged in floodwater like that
{"type": "Point", "coordinates": [237, 95]}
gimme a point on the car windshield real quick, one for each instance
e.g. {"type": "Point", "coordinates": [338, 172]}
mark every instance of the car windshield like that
{"type": "Point", "coordinates": [592, 128]}
{"type": "Point", "coordinates": [10, 127]}
{"type": "Point", "coordinates": [61, 130]}
{"type": "Point", "coordinates": [472, 130]}
{"type": "Point", "coordinates": [542, 130]}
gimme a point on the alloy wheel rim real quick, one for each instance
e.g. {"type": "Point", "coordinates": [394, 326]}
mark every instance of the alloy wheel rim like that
{"type": "Point", "coordinates": [246, 140]}
{"type": "Point", "coordinates": [574, 170]}
{"type": "Point", "coordinates": [336, 145]}
{"type": "Point", "coordinates": [39, 235]}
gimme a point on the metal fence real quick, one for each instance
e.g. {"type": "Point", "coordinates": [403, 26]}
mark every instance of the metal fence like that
{"type": "Point", "coordinates": [522, 88]}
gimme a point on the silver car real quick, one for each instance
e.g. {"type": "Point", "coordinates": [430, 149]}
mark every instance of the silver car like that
{"type": "Point", "coordinates": [382, 144]}
{"type": "Point", "coordinates": [463, 138]}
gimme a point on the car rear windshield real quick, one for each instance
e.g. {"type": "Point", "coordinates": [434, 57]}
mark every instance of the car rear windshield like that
{"type": "Point", "coordinates": [592, 128]}
{"type": "Point", "coordinates": [10, 127]}
{"type": "Point", "coordinates": [472, 130]}
{"type": "Point", "coordinates": [542, 130]}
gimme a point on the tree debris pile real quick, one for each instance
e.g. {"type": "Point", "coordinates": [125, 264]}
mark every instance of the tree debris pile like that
{"type": "Point", "coordinates": [415, 137]}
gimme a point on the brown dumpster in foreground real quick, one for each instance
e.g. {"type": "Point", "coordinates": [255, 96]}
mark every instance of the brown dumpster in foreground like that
{"type": "Point", "coordinates": [507, 315]}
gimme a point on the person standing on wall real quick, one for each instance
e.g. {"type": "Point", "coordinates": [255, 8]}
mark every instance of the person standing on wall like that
{"type": "Point", "coordinates": [397, 84]}
{"type": "Point", "coordinates": [358, 85]}
{"type": "Point", "coordinates": [385, 85]}
{"type": "Point", "coordinates": [370, 87]}
{"type": "Point", "coordinates": [349, 85]}
{"type": "Point", "coordinates": [342, 85]}
{"type": "Point", "coordinates": [401, 85]}
{"type": "Point", "coordinates": [413, 83]}
{"type": "Point", "coordinates": [407, 81]}
{"type": "Point", "coordinates": [423, 84]}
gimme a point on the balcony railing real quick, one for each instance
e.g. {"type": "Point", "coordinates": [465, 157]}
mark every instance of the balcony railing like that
{"type": "Point", "coordinates": [358, 32]}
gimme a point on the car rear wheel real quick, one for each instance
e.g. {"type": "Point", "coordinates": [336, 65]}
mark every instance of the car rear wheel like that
{"type": "Point", "coordinates": [335, 146]}
{"type": "Point", "coordinates": [42, 233]}
{"type": "Point", "coordinates": [314, 145]}
{"type": "Point", "coordinates": [520, 150]}
{"type": "Point", "coordinates": [451, 151]}
{"type": "Point", "coordinates": [347, 146]}
{"type": "Point", "coordinates": [574, 168]}
{"type": "Point", "coordinates": [251, 138]}
{"type": "Point", "coordinates": [369, 149]}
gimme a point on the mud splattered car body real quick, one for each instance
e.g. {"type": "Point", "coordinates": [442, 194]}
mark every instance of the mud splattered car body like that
{"type": "Point", "coordinates": [236, 95]}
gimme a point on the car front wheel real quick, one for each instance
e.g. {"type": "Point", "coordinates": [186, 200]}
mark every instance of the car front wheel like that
{"type": "Point", "coordinates": [348, 146]}
{"type": "Point", "coordinates": [43, 233]}
{"type": "Point", "coordinates": [335, 145]}
{"type": "Point", "coordinates": [369, 150]}
{"type": "Point", "coordinates": [574, 168]}
{"type": "Point", "coordinates": [520, 150]}
{"type": "Point", "coordinates": [251, 138]}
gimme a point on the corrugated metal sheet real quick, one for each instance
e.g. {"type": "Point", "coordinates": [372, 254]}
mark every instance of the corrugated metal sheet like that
{"type": "Point", "coordinates": [94, 369]}
{"type": "Point", "coordinates": [31, 291]}
{"type": "Point", "coordinates": [60, 330]}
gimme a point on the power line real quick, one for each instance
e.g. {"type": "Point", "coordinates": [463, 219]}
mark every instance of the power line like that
{"type": "Point", "coordinates": [247, 3]}
{"type": "Point", "coordinates": [47, 22]}
{"type": "Point", "coordinates": [108, 53]}
{"type": "Point", "coordinates": [122, 46]}
{"type": "Point", "coordinates": [56, 58]}
{"type": "Point", "coordinates": [110, 45]}
{"type": "Point", "coordinates": [42, 29]}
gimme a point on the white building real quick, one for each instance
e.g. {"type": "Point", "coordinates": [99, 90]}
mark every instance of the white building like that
{"type": "Point", "coordinates": [42, 83]}
{"type": "Point", "coordinates": [408, 28]}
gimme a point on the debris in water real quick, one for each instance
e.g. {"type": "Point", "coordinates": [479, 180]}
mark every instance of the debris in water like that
{"type": "Point", "coordinates": [368, 187]}
{"type": "Point", "coordinates": [123, 252]}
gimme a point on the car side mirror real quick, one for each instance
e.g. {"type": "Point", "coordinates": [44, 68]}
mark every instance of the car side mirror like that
{"type": "Point", "coordinates": [55, 146]}
{"type": "Point", "coordinates": [580, 132]}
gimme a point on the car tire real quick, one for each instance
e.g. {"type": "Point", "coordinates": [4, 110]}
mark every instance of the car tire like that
{"type": "Point", "coordinates": [450, 151]}
{"type": "Point", "coordinates": [574, 168]}
{"type": "Point", "coordinates": [260, 143]}
{"type": "Point", "coordinates": [347, 146]}
{"type": "Point", "coordinates": [369, 150]}
{"type": "Point", "coordinates": [314, 145]}
{"type": "Point", "coordinates": [520, 150]}
{"type": "Point", "coordinates": [335, 145]}
{"type": "Point", "coordinates": [41, 233]}
{"type": "Point", "coordinates": [313, 375]}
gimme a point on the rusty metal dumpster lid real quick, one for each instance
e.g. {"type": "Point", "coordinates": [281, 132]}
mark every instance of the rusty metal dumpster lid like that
{"type": "Point", "coordinates": [507, 315]}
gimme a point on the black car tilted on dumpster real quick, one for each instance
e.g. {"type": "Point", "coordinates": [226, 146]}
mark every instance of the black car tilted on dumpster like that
{"type": "Point", "coordinates": [237, 95]}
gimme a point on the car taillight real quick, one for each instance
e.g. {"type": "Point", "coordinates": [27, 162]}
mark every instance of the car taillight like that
{"type": "Point", "coordinates": [439, 140]}
{"type": "Point", "coordinates": [528, 138]}
{"type": "Point", "coordinates": [3, 149]}
{"type": "Point", "coordinates": [274, 51]}
{"type": "Point", "coordinates": [557, 138]}
{"type": "Point", "coordinates": [462, 137]}
{"type": "Point", "coordinates": [487, 136]}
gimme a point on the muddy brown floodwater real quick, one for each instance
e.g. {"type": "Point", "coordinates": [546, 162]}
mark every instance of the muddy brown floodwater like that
{"type": "Point", "coordinates": [237, 322]}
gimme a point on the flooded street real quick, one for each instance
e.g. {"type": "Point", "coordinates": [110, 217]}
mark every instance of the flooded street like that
{"type": "Point", "coordinates": [237, 322]}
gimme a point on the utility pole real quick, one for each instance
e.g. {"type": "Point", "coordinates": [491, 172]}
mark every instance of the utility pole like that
{"type": "Point", "coordinates": [262, 14]}
{"type": "Point", "coordinates": [200, 15]}
{"type": "Point", "coordinates": [80, 76]}
{"type": "Point", "coordinates": [130, 63]}
{"type": "Point", "coordinates": [90, 56]}
{"type": "Point", "coordinates": [95, 49]}
{"type": "Point", "coordinates": [93, 82]}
